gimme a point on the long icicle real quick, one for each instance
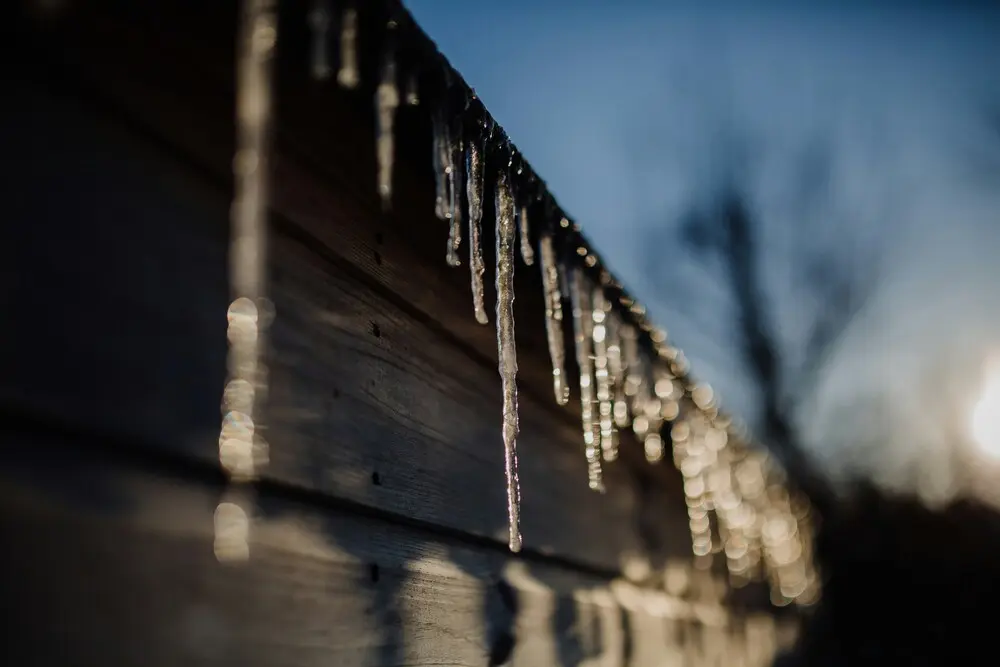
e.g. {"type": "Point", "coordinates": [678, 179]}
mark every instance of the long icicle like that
{"type": "Point", "coordinates": [616, 369]}
{"type": "Point", "coordinates": [583, 332]}
{"type": "Point", "coordinates": [319, 22]}
{"type": "Point", "coordinates": [348, 75]}
{"type": "Point", "coordinates": [386, 103]}
{"type": "Point", "coordinates": [507, 352]}
{"type": "Point", "coordinates": [241, 448]}
{"type": "Point", "coordinates": [527, 252]}
{"type": "Point", "coordinates": [455, 154]}
{"type": "Point", "coordinates": [474, 190]}
{"type": "Point", "coordinates": [440, 158]}
{"type": "Point", "coordinates": [609, 447]}
{"type": "Point", "coordinates": [554, 317]}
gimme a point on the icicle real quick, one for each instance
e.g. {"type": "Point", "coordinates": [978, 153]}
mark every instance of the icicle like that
{"type": "Point", "coordinates": [412, 91]}
{"type": "Point", "coordinates": [616, 370]}
{"type": "Point", "coordinates": [474, 190]}
{"type": "Point", "coordinates": [241, 448]}
{"type": "Point", "coordinates": [319, 22]}
{"type": "Point", "coordinates": [554, 317]}
{"type": "Point", "coordinates": [527, 253]}
{"type": "Point", "coordinates": [348, 75]}
{"type": "Point", "coordinates": [441, 167]}
{"type": "Point", "coordinates": [455, 155]}
{"type": "Point", "coordinates": [506, 349]}
{"type": "Point", "coordinates": [633, 371]}
{"type": "Point", "coordinates": [653, 413]}
{"type": "Point", "coordinates": [386, 103]}
{"type": "Point", "coordinates": [564, 280]}
{"type": "Point", "coordinates": [609, 447]}
{"type": "Point", "coordinates": [583, 332]}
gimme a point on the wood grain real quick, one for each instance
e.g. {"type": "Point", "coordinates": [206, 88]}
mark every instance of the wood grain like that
{"type": "Point", "coordinates": [122, 330]}
{"type": "Point", "coordinates": [384, 388]}
{"type": "Point", "coordinates": [121, 572]}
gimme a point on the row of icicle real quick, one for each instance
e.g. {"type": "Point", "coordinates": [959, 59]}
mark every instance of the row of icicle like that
{"type": "Point", "coordinates": [623, 383]}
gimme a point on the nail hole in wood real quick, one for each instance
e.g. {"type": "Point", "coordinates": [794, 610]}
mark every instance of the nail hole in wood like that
{"type": "Point", "coordinates": [376, 331]}
{"type": "Point", "coordinates": [376, 480]}
{"type": "Point", "coordinates": [373, 573]}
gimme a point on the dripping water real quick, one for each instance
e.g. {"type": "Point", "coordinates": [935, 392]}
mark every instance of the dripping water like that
{"type": "Point", "coordinates": [527, 252]}
{"type": "Point", "coordinates": [348, 75]}
{"type": "Point", "coordinates": [319, 22]}
{"type": "Point", "coordinates": [601, 312]}
{"type": "Point", "coordinates": [386, 103]}
{"type": "Point", "coordinates": [241, 448]}
{"type": "Point", "coordinates": [505, 232]}
{"type": "Point", "coordinates": [474, 191]}
{"type": "Point", "coordinates": [554, 317]}
{"type": "Point", "coordinates": [582, 335]}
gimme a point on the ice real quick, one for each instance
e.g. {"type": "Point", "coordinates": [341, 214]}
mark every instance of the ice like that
{"type": "Point", "coordinates": [348, 75]}
{"type": "Point", "coordinates": [554, 317]}
{"type": "Point", "coordinates": [527, 252]}
{"type": "Point", "coordinates": [582, 336]}
{"type": "Point", "coordinates": [616, 370]}
{"type": "Point", "coordinates": [632, 365]}
{"type": "Point", "coordinates": [602, 308]}
{"type": "Point", "coordinates": [240, 444]}
{"type": "Point", "coordinates": [474, 191]}
{"type": "Point", "coordinates": [507, 352]}
{"type": "Point", "coordinates": [455, 151]}
{"type": "Point", "coordinates": [412, 90]}
{"type": "Point", "coordinates": [441, 158]}
{"type": "Point", "coordinates": [319, 23]}
{"type": "Point", "coordinates": [386, 103]}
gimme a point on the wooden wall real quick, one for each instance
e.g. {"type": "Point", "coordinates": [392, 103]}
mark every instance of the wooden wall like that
{"type": "Point", "coordinates": [381, 518]}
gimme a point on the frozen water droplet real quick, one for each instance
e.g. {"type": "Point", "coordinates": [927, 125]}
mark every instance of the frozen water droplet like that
{"type": "Point", "coordinates": [609, 446]}
{"type": "Point", "coordinates": [348, 75]}
{"type": "Point", "coordinates": [386, 103]}
{"type": "Point", "coordinates": [507, 352]}
{"type": "Point", "coordinates": [527, 252]}
{"type": "Point", "coordinates": [319, 23]}
{"type": "Point", "coordinates": [474, 191]}
{"type": "Point", "coordinates": [583, 335]}
{"type": "Point", "coordinates": [554, 317]}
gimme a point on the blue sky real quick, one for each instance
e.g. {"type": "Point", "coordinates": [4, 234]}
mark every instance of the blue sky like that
{"type": "Point", "coordinates": [633, 113]}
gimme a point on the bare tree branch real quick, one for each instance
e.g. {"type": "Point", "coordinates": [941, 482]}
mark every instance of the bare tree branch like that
{"type": "Point", "coordinates": [730, 234]}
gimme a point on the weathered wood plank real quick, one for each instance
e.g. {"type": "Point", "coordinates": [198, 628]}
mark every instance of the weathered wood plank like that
{"type": "Point", "coordinates": [111, 562]}
{"type": "Point", "coordinates": [122, 330]}
{"type": "Point", "coordinates": [324, 168]}
{"type": "Point", "coordinates": [180, 93]}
